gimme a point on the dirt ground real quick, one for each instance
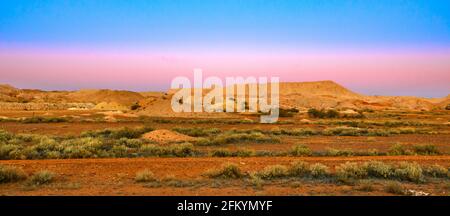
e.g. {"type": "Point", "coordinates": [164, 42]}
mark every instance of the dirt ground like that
{"type": "Point", "coordinates": [116, 176]}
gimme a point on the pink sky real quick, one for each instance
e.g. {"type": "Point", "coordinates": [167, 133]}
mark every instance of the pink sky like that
{"type": "Point", "coordinates": [424, 73]}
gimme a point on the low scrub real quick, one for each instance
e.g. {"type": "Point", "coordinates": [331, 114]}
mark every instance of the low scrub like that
{"type": "Point", "coordinates": [301, 150]}
{"type": "Point", "coordinates": [395, 188]}
{"type": "Point", "coordinates": [409, 172]}
{"type": "Point", "coordinates": [273, 172]}
{"type": "Point", "coordinates": [426, 150]}
{"type": "Point", "coordinates": [350, 170]}
{"type": "Point", "coordinates": [42, 177]}
{"type": "Point", "coordinates": [198, 132]}
{"type": "Point", "coordinates": [35, 120]}
{"type": "Point", "coordinates": [316, 113]}
{"type": "Point", "coordinates": [145, 176]}
{"type": "Point", "coordinates": [227, 171]}
{"type": "Point", "coordinates": [377, 169]}
{"type": "Point", "coordinates": [228, 153]}
{"type": "Point", "coordinates": [238, 137]}
{"type": "Point", "coordinates": [319, 170]}
{"type": "Point", "coordinates": [436, 171]}
{"type": "Point", "coordinates": [11, 174]}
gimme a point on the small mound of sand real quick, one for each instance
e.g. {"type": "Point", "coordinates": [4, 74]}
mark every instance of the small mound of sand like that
{"type": "Point", "coordinates": [166, 136]}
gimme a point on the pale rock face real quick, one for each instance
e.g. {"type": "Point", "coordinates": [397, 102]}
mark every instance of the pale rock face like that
{"type": "Point", "coordinates": [300, 95]}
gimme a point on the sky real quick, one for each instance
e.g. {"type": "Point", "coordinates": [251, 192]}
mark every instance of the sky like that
{"type": "Point", "coordinates": [381, 47]}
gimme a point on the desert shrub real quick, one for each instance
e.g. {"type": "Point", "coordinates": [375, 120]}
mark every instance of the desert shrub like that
{"type": "Point", "coordinates": [301, 150]}
{"type": "Point", "coordinates": [11, 174]}
{"type": "Point", "coordinates": [39, 119]}
{"type": "Point", "coordinates": [409, 172]}
{"type": "Point", "coordinates": [319, 170]}
{"type": "Point", "coordinates": [181, 150]}
{"type": "Point", "coordinates": [227, 171]}
{"type": "Point", "coordinates": [378, 169]}
{"type": "Point", "coordinates": [345, 131]}
{"type": "Point", "coordinates": [174, 150]}
{"type": "Point", "coordinates": [7, 150]}
{"type": "Point", "coordinates": [118, 133]}
{"type": "Point", "coordinates": [42, 177]}
{"type": "Point", "coordinates": [436, 171]}
{"type": "Point", "coordinates": [287, 112]}
{"type": "Point", "coordinates": [350, 170]}
{"type": "Point", "coordinates": [426, 150]}
{"type": "Point", "coordinates": [300, 132]}
{"type": "Point", "coordinates": [144, 176]}
{"type": "Point", "coordinates": [366, 185]}
{"type": "Point", "coordinates": [315, 113]}
{"type": "Point", "coordinates": [198, 132]}
{"type": "Point", "coordinates": [221, 153]}
{"type": "Point", "coordinates": [395, 188]}
{"type": "Point", "coordinates": [273, 172]}
{"type": "Point", "coordinates": [339, 152]}
{"type": "Point", "coordinates": [237, 137]}
{"type": "Point", "coordinates": [299, 169]}
{"type": "Point", "coordinates": [398, 149]}
{"type": "Point", "coordinates": [130, 143]}
{"type": "Point", "coordinates": [256, 181]}
{"type": "Point", "coordinates": [5, 136]}
{"type": "Point", "coordinates": [228, 153]}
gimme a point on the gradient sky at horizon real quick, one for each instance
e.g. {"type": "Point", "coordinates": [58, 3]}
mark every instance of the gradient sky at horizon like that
{"type": "Point", "coordinates": [378, 47]}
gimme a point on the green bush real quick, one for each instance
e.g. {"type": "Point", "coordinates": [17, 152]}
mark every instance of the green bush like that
{"type": "Point", "coordinates": [319, 170]}
{"type": "Point", "coordinates": [42, 177]}
{"type": "Point", "coordinates": [145, 176]}
{"type": "Point", "coordinates": [350, 170]}
{"type": "Point", "coordinates": [426, 150]}
{"type": "Point", "coordinates": [315, 113]}
{"type": "Point", "coordinates": [198, 132]}
{"type": "Point", "coordinates": [395, 188]}
{"type": "Point", "coordinates": [237, 137]}
{"type": "Point", "coordinates": [299, 169]}
{"type": "Point", "coordinates": [409, 172]}
{"type": "Point", "coordinates": [273, 172]}
{"type": "Point", "coordinates": [339, 152]}
{"type": "Point", "coordinates": [398, 149]}
{"type": "Point", "coordinates": [436, 171]}
{"type": "Point", "coordinates": [301, 150]}
{"type": "Point", "coordinates": [35, 120]}
{"type": "Point", "coordinates": [11, 174]}
{"type": "Point", "coordinates": [227, 171]}
{"type": "Point", "coordinates": [378, 169]}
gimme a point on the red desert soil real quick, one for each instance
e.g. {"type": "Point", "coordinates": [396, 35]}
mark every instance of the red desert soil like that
{"type": "Point", "coordinates": [116, 176]}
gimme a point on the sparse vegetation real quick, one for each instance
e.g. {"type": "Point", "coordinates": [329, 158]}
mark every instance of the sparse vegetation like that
{"type": "Point", "coordinates": [42, 177]}
{"type": "Point", "coordinates": [316, 113]}
{"type": "Point", "coordinates": [234, 137]}
{"type": "Point", "coordinates": [301, 150]}
{"type": "Point", "coordinates": [436, 171]}
{"type": "Point", "coordinates": [409, 172]}
{"type": "Point", "coordinates": [395, 188]}
{"type": "Point", "coordinates": [319, 170]}
{"type": "Point", "coordinates": [145, 176]}
{"type": "Point", "coordinates": [227, 171]}
{"type": "Point", "coordinates": [40, 119]}
{"type": "Point", "coordinates": [273, 172]}
{"type": "Point", "coordinates": [198, 132]}
{"type": "Point", "coordinates": [11, 174]}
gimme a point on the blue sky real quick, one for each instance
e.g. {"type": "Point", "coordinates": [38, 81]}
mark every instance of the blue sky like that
{"type": "Point", "coordinates": [298, 23]}
{"type": "Point", "coordinates": [384, 47]}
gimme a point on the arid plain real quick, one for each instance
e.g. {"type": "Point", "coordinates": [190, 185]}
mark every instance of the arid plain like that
{"type": "Point", "coordinates": [328, 141]}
